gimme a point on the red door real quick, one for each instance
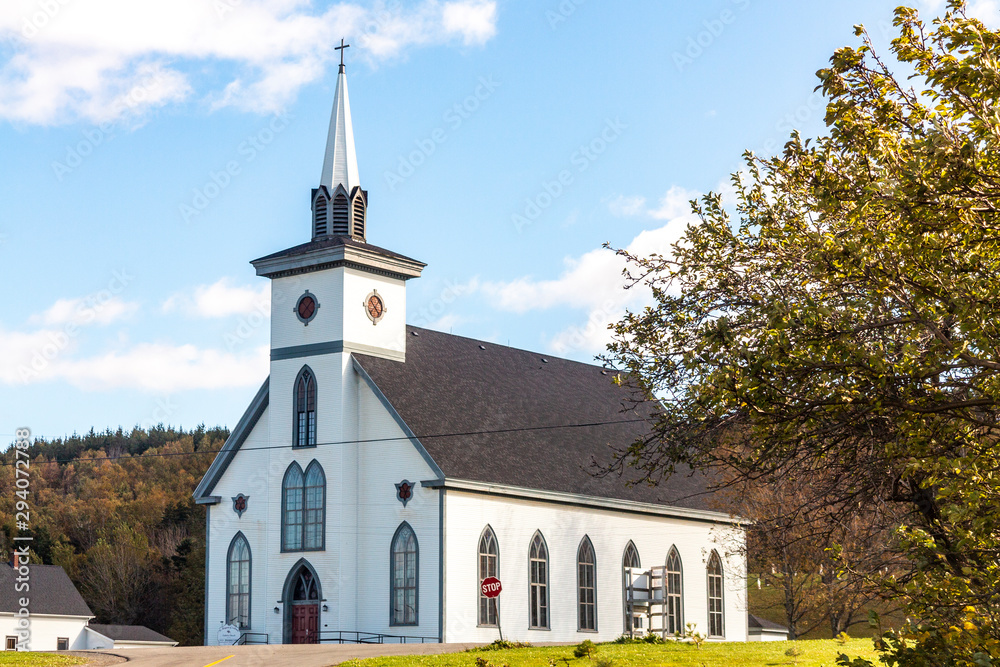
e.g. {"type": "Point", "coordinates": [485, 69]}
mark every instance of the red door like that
{"type": "Point", "coordinates": [305, 624]}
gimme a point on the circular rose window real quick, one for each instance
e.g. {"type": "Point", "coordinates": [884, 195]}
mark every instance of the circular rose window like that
{"type": "Point", "coordinates": [306, 307]}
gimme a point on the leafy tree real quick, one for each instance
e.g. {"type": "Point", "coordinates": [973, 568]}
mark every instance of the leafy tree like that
{"type": "Point", "coordinates": [115, 511]}
{"type": "Point", "coordinates": [844, 330]}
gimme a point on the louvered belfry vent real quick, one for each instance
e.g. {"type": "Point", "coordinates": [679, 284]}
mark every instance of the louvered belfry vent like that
{"type": "Point", "coordinates": [341, 216]}
{"type": "Point", "coordinates": [359, 217]}
{"type": "Point", "coordinates": [319, 216]}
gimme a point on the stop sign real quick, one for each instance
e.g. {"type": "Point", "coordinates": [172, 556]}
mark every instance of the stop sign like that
{"type": "Point", "coordinates": [491, 587]}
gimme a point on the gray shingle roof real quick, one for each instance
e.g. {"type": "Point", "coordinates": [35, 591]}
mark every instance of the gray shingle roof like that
{"type": "Point", "coordinates": [764, 624]}
{"type": "Point", "coordinates": [331, 242]}
{"type": "Point", "coordinates": [450, 384]}
{"type": "Point", "coordinates": [134, 633]}
{"type": "Point", "coordinates": [50, 592]}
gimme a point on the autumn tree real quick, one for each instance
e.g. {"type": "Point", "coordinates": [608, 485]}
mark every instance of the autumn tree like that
{"type": "Point", "coordinates": [846, 318]}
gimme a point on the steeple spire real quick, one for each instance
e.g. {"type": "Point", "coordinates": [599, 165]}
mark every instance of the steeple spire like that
{"type": "Point", "coordinates": [339, 204]}
{"type": "Point", "coordinates": [340, 164]}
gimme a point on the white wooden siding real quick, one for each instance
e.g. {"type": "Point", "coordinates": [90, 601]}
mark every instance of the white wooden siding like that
{"type": "Point", "coordinates": [515, 521]}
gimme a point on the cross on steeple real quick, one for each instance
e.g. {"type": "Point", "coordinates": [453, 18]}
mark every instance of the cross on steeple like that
{"type": "Point", "coordinates": [341, 49]}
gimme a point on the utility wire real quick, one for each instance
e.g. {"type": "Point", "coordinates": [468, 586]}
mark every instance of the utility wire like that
{"type": "Point", "coordinates": [352, 442]}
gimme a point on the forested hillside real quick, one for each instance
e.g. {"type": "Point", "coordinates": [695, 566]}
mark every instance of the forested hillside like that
{"type": "Point", "coordinates": [115, 510]}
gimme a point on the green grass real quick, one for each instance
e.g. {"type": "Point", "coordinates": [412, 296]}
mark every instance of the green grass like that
{"type": "Point", "coordinates": [813, 653]}
{"type": "Point", "coordinates": [34, 659]}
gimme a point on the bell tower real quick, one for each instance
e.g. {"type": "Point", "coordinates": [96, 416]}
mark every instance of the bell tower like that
{"type": "Point", "coordinates": [338, 293]}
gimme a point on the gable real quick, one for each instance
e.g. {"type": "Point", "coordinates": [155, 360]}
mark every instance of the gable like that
{"type": "Point", "coordinates": [234, 442]}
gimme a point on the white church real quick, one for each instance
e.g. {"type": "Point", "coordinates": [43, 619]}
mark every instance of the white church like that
{"type": "Point", "coordinates": [383, 471]}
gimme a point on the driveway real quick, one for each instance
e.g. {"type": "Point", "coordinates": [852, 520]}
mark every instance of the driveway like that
{"type": "Point", "coordinates": [275, 655]}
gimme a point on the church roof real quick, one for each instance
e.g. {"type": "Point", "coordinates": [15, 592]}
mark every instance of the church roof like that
{"type": "Point", "coordinates": [52, 592]}
{"type": "Point", "coordinates": [332, 242]}
{"type": "Point", "coordinates": [454, 385]}
{"type": "Point", "coordinates": [340, 163]}
{"type": "Point", "coordinates": [329, 251]}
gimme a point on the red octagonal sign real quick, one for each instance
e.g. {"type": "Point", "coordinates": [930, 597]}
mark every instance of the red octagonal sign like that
{"type": "Point", "coordinates": [491, 587]}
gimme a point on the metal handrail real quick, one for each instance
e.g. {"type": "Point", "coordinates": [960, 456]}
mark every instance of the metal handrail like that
{"type": "Point", "coordinates": [354, 637]}
{"type": "Point", "coordinates": [252, 638]}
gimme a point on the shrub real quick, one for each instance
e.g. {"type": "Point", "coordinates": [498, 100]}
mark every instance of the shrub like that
{"type": "Point", "coordinates": [586, 648]}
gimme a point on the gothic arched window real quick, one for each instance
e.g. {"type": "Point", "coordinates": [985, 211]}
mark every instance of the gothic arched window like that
{"type": "Point", "coordinates": [403, 576]}
{"type": "Point", "coordinates": [586, 585]}
{"type": "Point", "coordinates": [238, 583]}
{"type": "Point", "coordinates": [538, 576]}
{"type": "Point", "coordinates": [303, 515]}
{"type": "Point", "coordinates": [675, 593]}
{"type": "Point", "coordinates": [489, 566]}
{"type": "Point", "coordinates": [716, 616]}
{"type": "Point", "coordinates": [305, 408]}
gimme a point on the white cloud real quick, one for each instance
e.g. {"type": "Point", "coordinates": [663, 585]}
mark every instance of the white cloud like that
{"type": "Point", "coordinates": [675, 204]}
{"type": "Point", "coordinates": [102, 60]}
{"type": "Point", "coordinates": [987, 11]}
{"type": "Point", "coordinates": [475, 21]}
{"type": "Point", "coordinates": [623, 207]}
{"type": "Point", "coordinates": [222, 299]}
{"type": "Point", "coordinates": [98, 308]}
{"type": "Point", "coordinates": [163, 368]}
{"type": "Point", "coordinates": [48, 355]}
{"type": "Point", "coordinates": [594, 282]}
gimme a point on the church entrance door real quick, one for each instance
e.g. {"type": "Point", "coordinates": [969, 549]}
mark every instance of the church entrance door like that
{"type": "Point", "coordinates": [303, 597]}
{"type": "Point", "coordinates": [305, 624]}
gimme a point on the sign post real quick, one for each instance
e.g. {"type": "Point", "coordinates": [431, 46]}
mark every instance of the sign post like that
{"type": "Point", "coordinates": [491, 589]}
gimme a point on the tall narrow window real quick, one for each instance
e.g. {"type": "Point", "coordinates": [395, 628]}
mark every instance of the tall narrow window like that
{"type": "Point", "coordinates": [538, 595]}
{"type": "Point", "coordinates": [303, 515]}
{"type": "Point", "coordinates": [586, 580]}
{"type": "Point", "coordinates": [291, 497]}
{"type": "Point", "coordinates": [629, 560]}
{"type": "Point", "coordinates": [238, 583]}
{"type": "Point", "coordinates": [403, 576]}
{"type": "Point", "coordinates": [305, 408]}
{"type": "Point", "coordinates": [489, 566]}
{"type": "Point", "coordinates": [675, 593]}
{"type": "Point", "coordinates": [315, 507]}
{"type": "Point", "coordinates": [716, 617]}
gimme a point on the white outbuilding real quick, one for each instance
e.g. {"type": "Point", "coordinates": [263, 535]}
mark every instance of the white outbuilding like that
{"type": "Point", "coordinates": [41, 610]}
{"type": "Point", "coordinates": [383, 471]}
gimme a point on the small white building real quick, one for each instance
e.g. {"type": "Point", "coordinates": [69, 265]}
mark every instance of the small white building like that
{"type": "Point", "coordinates": [762, 630]}
{"type": "Point", "coordinates": [383, 471]}
{"type": "Point", "coordinates": [104, 636]}
{"type": "Point", "coordinates": [56, 615]}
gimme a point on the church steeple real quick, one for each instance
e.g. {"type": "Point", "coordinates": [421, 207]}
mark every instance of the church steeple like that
{"type": "Point", "coordinates": [339, 204]}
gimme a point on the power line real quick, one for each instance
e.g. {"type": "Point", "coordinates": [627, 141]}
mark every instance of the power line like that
{"type": "Point", "coordinates": [356, 442]}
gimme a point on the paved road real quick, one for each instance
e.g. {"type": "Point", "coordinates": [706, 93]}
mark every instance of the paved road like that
{"type": "Point", "coordinates": [300, 655]}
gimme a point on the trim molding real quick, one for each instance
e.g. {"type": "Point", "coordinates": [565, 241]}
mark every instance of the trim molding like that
{"type": "Point", "coordinates": [208, 500]}
{"type": "Point", "coordinates": [208, 559]}
{"type": "Point", "coordinates": [580, 500]}
{"type": "Point", "coordinates": [233, 443]}
{"type": "Point", "coordinates": [399, 420]}
{"type": "Point", "coordinates": [442, 561]}
{"type": "Point", "coordinates": [333, 347]}
{"type": "Point", "coordinates": [350, 256]}
{"type": "Point", "coordinates": [312, 350]}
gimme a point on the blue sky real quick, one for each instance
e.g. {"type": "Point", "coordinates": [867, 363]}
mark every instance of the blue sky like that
{"type": "Point", "coordinates": [152, 149]}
